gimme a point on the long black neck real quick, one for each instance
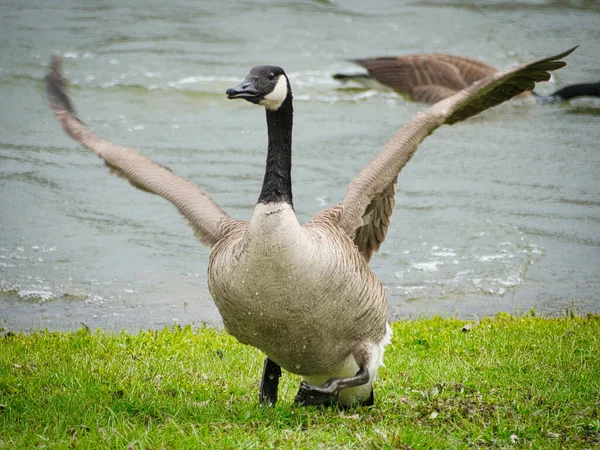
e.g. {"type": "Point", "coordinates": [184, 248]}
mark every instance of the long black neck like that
{"type": "Point", "coordinates": [277, 184]}
{"type": "Point", "coordinates": [572, 91]}
{"type": "Point", "coordinates": [578, 90]}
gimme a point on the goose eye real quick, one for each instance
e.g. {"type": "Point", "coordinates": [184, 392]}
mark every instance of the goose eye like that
{"type": "Point", "coordinates": [271, 76]}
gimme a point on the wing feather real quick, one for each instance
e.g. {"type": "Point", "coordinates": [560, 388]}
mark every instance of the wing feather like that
{"type": "Point", "coordinates": [209, 221]}
{"type": "Point", "coordinates": [406, 74]}
{"type": "Point", "coordinates": [428, 77]}
{"type": "Point", "coordinates": [366, 210]}
{"type": "Point", "coordinates": [432, 93]}
{"type": "Point", "coordinates": [470, 70]}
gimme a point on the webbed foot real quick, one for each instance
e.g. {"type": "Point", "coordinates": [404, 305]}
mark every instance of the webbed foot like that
{"type": "Point", "coordinates": [328, 393]}
{"type": "Point", "coordinates": [315, 396]}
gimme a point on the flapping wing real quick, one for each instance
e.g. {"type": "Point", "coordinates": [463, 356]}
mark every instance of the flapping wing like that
{"type": "Point", "coordinates": [470, 70]}
{"type": "Point", "coordinates": [432, 93]}
{"type": "Point", "coordinates": [406, 74]}
{"type": "Point", "coordinates": [365, 212]}
{"type": "Point", "coordinates": [204, 215]}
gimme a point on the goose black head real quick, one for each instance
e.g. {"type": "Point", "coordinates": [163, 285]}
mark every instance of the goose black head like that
{"type": "Point", "coordinates": [264, 85]}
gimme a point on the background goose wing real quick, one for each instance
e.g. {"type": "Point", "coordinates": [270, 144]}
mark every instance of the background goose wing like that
{"type": "Point", "coordinates": [470, 70]}
{"type": "Point", "coordinates": [432, 93]}
{"type": "Point", "coordinates": [209, 221]}
{"type": "Point", "coordinates": [415, 74]}
{"type": "Point", "coordinates": [365, 212]}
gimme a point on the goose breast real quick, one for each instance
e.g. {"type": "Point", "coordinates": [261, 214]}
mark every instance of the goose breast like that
{"type": "Point", "coordinates": [302, 295]}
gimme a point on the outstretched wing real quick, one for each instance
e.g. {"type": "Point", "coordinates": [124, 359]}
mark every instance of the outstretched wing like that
{"type": "Point", "coordinates": [470, 70]}
{"type": "Point", "coordinates": [365, 212]}
{"type": "Point", "coordinates": [426, 78]}
{"type": "Point", "coordinates": [432, 93]}
{"type": "Point", "coordinates": [209, 221]}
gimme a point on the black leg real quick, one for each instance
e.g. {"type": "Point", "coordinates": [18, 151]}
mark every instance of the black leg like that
{"type": "Point", "coordinates": [328, 393]}
{"type": "Point", "coordinates": [269, 383]}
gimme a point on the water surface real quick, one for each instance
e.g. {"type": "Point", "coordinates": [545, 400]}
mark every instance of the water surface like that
{"type": "Point", "coordinates": [500, 213]}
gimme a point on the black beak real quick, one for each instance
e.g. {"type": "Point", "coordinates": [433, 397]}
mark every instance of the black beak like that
{"type": "Point", "coordinates": [245, 90]}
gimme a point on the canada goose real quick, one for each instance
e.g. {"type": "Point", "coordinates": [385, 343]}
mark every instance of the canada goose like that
{"type": "Point", "coordinates": [429, 78]}
{"type": "Point", "coordinates": [302, 294]}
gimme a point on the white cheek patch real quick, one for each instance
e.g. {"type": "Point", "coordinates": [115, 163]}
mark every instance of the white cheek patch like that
{"type": "Point", "coordinates": [275, 98]}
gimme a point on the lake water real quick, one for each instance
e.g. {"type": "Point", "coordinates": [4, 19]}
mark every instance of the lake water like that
{"type": "Point", "coordinates": [499, 213]}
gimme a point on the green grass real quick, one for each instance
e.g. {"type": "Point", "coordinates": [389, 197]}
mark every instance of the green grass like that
{"type": "Point", "coordinates": [509, 382]}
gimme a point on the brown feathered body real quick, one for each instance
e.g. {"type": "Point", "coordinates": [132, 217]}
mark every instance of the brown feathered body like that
{"type": "Point", "coordinates": [302, 294]}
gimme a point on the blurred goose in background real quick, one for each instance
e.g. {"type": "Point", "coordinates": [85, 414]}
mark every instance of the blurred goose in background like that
{"type": "Point", "coordinates": [432, 77]}
{"type": "Point", "coordinates": [301, 293]}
